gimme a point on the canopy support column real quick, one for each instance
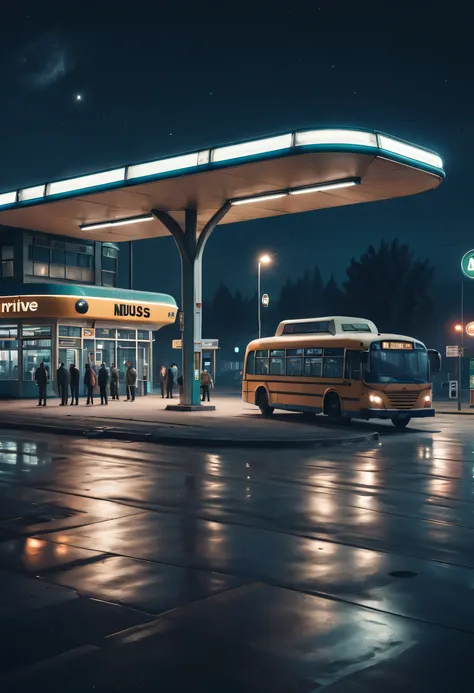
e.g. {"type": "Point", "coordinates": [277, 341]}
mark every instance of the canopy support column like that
{"type": "Point", "coordinates": [191, 248]}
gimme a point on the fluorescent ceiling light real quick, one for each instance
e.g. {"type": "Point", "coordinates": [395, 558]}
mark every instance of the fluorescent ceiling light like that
{"type": "Point", "coordinates": [236, 151]}
{"type": "Point", "coordinates": [354, 137]}
{"type": "Point", "coordinates": [258, 198]}
{"type": "Point", "coordinates": [152, 168]}
{"type": "Point", "coordinates": [92, 181]}
{"type": "Point", "coordinates": [33, 193]}
{"type": "Point", "coordinates": [410, 152]}
{"type": "Point", "coordinates": [204, 157]}
{"type": "Point", "coordinates": [324, 187]}
{"type": "Point", "coordinates": [8, 198]}
{"type": "Point", "coordinates": [116, 222]}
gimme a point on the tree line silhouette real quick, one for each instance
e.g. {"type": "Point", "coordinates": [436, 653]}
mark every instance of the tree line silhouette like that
{"type": "Point", "coordinates": [388, 285]}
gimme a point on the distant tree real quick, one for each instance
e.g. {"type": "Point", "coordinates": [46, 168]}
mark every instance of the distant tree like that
{"type": "Point", "coordinates": [332, 298]}
{"type": "Point", "coordinates": [392, 288]}
{"type": "Point", "coordinates": [301, 298]}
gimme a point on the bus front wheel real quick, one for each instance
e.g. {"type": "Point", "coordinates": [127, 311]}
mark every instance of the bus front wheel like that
{"type": "Point", "coordinates": [262, 404]}
{"type": "Point", "coordinates": [332, 407]}
{"type": "Point", "coordinates": [401, 423]}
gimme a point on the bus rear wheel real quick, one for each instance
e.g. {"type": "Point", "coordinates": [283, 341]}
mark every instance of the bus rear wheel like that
{"type": "Point", "coordinates": [262, 404]}
{"type": "Point", "coordinates": [332, 407]}
{"type": "Point", "coordinates": [401, 423]}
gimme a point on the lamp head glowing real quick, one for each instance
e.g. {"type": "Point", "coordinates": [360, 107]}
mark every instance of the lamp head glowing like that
{"type": "Point", "coordinates": [264, 259]}
{"type": "Point", "coordinates": [458, 328]}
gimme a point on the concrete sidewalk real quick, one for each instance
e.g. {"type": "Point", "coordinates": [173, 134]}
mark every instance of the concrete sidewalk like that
{"type": "Point", "coordinates": [451, 407]}
{"type": "Point", "coordinates": [233, 423]}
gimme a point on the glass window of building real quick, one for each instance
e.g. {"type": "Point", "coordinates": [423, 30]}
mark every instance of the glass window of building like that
{"type": "Point", "coordinates": [35, 351]}
{"type": "Point", "coordinates": [127, 334]}
{"type": "Point", "coordinates": [57, 271]}
{"type": "Point", "coordinates": [108, 278]}
{"type": "Point", "coordinates": [36, 330]}
{"type": "Point", "coordinates": [126, 351]}
{"type": "Point", "coordinates": [8, 353]}
{"type": "Point", "coordinates": [143, 370]}
{"type": "Point", "coordinates": [109, 265]}
{"type": "Point", "coordinates": [69, 331]}
{"type": "Point", "coordinates": [105, 332]}
{"type": "Point", "coordinates": [144, 335]}
{"type": "Point", "coordinates": [8, 332]}
{"type": "Point", "coordinates": [74, 274]}
{"type": "Point", "coordinates": [105, 351]}
{"type": "Point", "coordinates": [59, 259]}
{"type": "Point", "coordinates": [6, 261]}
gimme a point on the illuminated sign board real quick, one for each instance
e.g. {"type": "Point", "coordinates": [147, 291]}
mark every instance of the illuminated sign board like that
{"type": "Point", "coordinates": [404, 346]}
{"type": "Point", "coordinates": [87, 308]}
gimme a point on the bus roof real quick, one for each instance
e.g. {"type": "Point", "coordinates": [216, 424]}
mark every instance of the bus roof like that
{"type": "Point", "coordinates": [346, 339]}
{"type": "Point", "coordinates": [331, 324]}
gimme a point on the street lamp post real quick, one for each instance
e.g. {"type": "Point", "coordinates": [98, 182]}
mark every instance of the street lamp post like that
{"type": "Point", "coordinates": [461, 353]}
{"type": "Point", "coordinates": [263, 260]}
{"type": "Point", "coordinates": [460, 329]}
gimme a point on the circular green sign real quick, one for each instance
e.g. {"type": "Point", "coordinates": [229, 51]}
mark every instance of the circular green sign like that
{"type": "Point", "coordinates": [467, 264]}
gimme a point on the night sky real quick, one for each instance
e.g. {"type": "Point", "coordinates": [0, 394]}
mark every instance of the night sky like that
{"type": "Point", "coordinates": [96, 88]}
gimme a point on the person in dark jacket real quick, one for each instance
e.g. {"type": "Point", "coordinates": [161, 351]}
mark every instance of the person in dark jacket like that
{"type": "Point", "coordinates": [162, 375]}
{"type": "Point", "coordinates": [90, 381]}
{"type": "Point", "coordinates": [114, 381]}
{"type": "Point", "coordinates": [169, 384]}
{"type": "Point", "coordinates": [131, 382]}
{"type": "Point", "coordinates": [61, 379]}
{"type": "Point", "coordinates": [42, 377]}
{"type": "Point", "coordinates": [103, 378]}
{"type": "Point", "coordinates": [74, 383]}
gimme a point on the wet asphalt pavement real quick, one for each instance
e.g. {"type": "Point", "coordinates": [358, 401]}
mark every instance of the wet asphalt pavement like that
{"type": "Point", "coordinates": [127, 566]}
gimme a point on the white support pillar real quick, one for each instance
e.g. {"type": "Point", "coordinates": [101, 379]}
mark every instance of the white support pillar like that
{"type": "Point", "coordinates": [191, 249]}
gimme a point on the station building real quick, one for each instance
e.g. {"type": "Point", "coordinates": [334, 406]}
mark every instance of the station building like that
{"type": "Point", "coordinates": [59, 302]}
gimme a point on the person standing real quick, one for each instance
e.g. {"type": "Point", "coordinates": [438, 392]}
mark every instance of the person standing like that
{"type": "Point", "coordinates": [131, 382]}
{"type": "Point", "coordinates": [90, 381]}
{"type": "Point", "coordinates": [174, 368]}
{"type": "Point", "coordinates": [169, 383]}
{"type": "Point", "coordinates": [206, 384]}
{"type": "Point", "coordinates": [162, 375]}
{"type": "Point", "coordinates": [61, 379]}
{"type": "Point", "coordinates": [74, 383]}
{"type": "Point", "coordinates": [103, 379]}
{"type": "Point", "coordinates": [114, 381]}
{"type": "Point", "coordinates": [42, 377]}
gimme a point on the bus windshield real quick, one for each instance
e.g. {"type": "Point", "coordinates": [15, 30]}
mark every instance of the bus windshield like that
{"type": "Point", "coordinates": [389, 366]}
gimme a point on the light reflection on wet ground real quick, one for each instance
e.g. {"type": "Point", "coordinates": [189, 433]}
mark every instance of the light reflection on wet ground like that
{"type": "Point", "coordinates": [289, 555]}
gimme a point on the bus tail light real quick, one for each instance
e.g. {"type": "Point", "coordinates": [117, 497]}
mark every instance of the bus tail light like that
{"type": "Point", "coordinates": [427, 400]}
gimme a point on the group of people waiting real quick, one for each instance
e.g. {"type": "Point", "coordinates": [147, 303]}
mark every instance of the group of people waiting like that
{"type": "Point", "coordinates": [69, 380]}
{"type": "Point", "coordinates": [168, 377]}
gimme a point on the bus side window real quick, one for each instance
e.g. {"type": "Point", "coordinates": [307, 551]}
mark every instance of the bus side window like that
{"type": "Point", "coordinates": [353, 365]}
{"type": "Point", "coordinates": [261, 362]}
{"type": "Point", "coordinates": [250, 365]}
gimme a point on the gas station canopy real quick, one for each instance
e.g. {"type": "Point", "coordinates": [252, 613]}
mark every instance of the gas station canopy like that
{"type": "Point", "coordinates": [283, 174]}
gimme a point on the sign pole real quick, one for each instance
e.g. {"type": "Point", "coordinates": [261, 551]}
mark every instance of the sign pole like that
{"type": "Point", "coordinates": [461, 351]}
{"type": "Point", "coordinates": [258, 299]}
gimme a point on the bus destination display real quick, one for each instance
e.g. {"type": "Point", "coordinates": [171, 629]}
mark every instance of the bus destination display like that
{"type": "Point", "coordinates": [406, 346]}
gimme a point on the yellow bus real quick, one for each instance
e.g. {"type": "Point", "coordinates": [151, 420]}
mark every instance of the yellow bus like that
{"type": "Point", "coordinates": [342, 367]}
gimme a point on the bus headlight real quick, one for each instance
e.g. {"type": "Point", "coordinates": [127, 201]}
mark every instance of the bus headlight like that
{"type": "Point", "coordinates": [427, 400]}
{"type": "Point", "coordinates": [375, 399]}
